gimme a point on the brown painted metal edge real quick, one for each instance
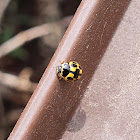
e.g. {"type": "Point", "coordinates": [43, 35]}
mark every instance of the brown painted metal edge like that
{"type": "Point", "coordinates": [54, 102]}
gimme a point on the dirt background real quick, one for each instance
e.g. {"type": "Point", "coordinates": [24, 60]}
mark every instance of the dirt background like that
{"type": "Point", "coordinates": [28, 62]}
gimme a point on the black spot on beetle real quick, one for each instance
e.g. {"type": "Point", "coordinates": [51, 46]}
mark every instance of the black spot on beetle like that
{"type": "Point", "coordinates": [69, 78]}
{"type": "Point", "coordinates": [80, 67]}
{"type": "Point", "coordinates": [76, 73]}
{"type": "Point", "coordinates": [73, 65]}
{"type": "Point", "coordinates": [65, 72]}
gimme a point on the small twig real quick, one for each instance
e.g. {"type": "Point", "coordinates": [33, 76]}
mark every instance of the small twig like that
{"type": "Point", "coordinates": [16, 82]}
{"type": "Point", "coordinates": [31, 34]}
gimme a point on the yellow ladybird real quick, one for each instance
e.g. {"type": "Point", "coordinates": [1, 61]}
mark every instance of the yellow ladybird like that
{"type": "Point", "coordinates": [69, 71]}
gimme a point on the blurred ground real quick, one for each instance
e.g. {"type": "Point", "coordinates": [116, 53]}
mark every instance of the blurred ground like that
{"type": "Point", "coordinates": [21, 69]}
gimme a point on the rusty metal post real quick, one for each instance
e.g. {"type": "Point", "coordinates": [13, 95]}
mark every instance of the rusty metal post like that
{"type": "Point", "coordinates": [53, 103]}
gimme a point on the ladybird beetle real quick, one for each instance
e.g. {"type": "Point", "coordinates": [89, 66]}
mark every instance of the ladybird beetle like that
{"type": "Point", "coordinates": [69, 71]}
